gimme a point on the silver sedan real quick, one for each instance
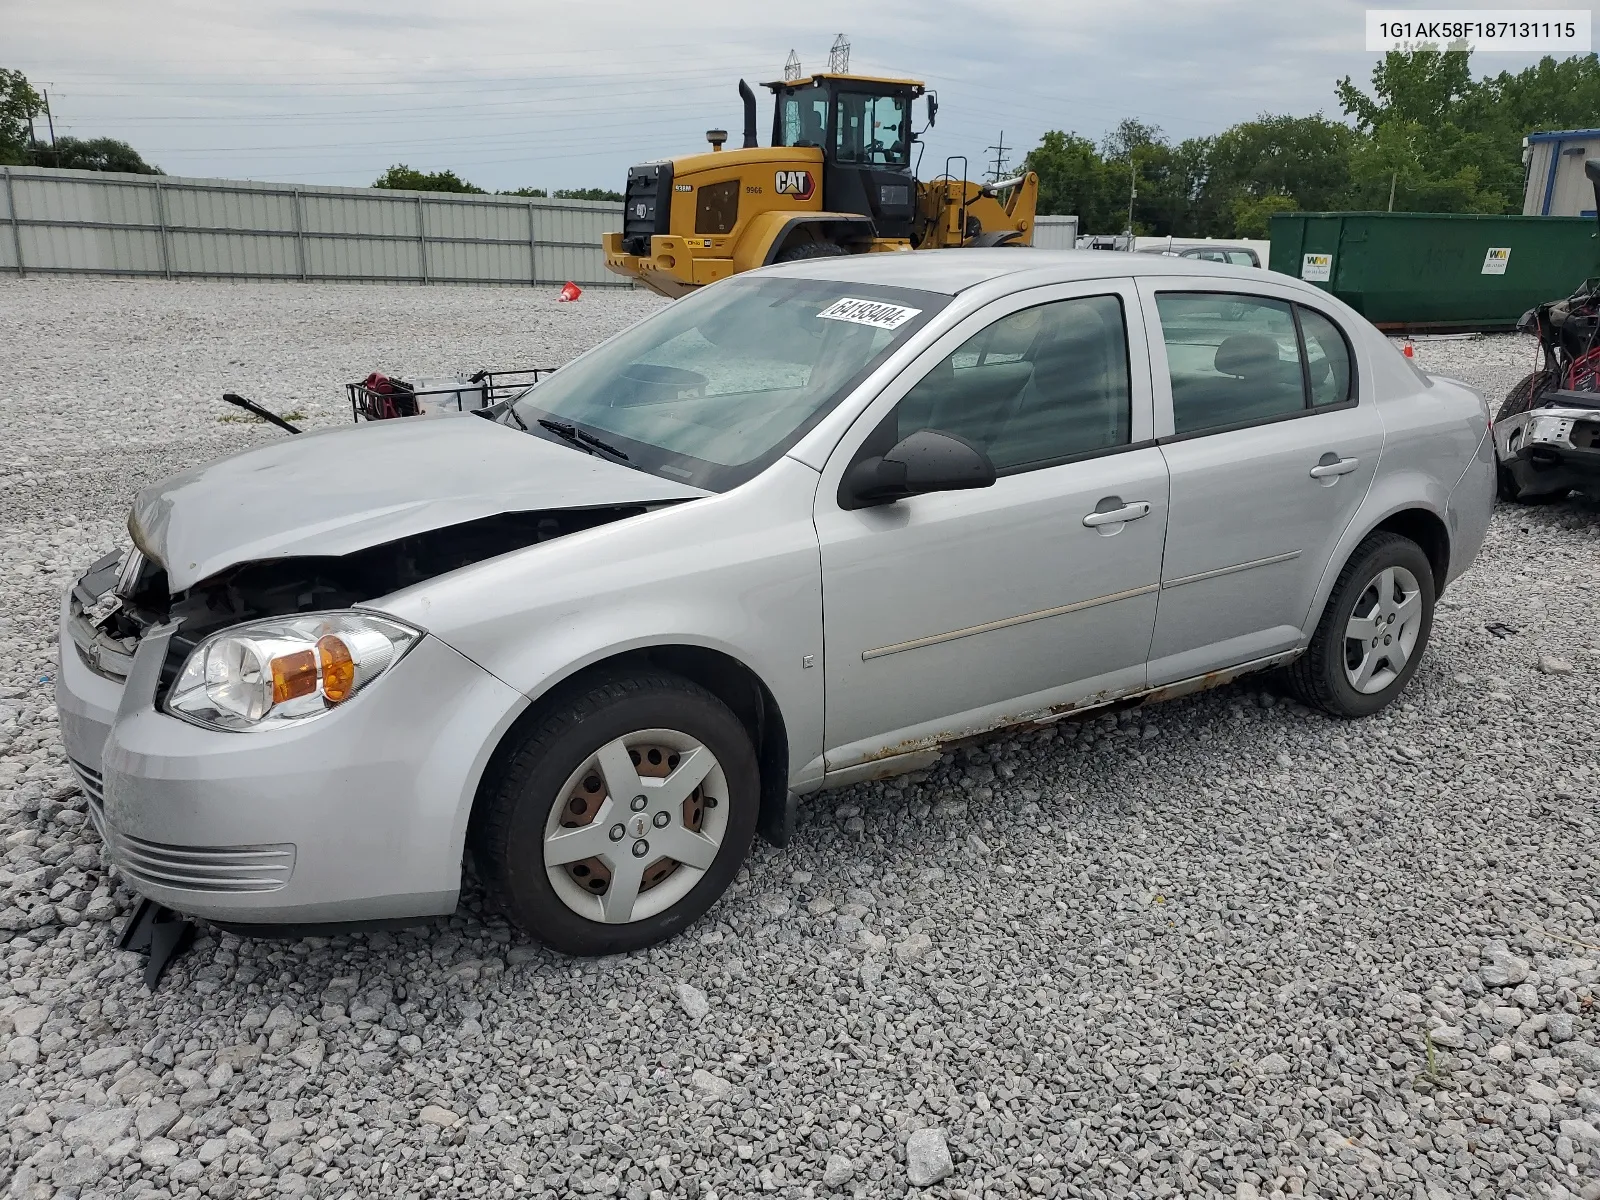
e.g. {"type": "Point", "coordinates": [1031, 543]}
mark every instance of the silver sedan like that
{"type": "Point", "coordinates": [802, 528]}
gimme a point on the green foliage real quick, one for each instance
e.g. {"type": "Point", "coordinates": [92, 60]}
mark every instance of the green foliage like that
{"type": "Point", "coordinates": [539, 193]}
{"type": "Point", "coordinates": [403, 178]}
{"type": "Point", "coordinates": [1252, 215]}
{"type": "Point", "coordinates": [18, 103]}
{"type": "Point", "coordinates": [92, 154]}
{"type": "Point", "coordinates": [587, 194]}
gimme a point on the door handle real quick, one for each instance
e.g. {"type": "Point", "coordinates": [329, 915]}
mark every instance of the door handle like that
{"type": "Point", "coordinates": [1339, 466]}
{"type": "Point", "coordinates": [1116, 516]}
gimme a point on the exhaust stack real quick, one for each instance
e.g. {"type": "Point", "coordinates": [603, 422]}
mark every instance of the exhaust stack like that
{"type": "Point", "coordinates": [749, 99]}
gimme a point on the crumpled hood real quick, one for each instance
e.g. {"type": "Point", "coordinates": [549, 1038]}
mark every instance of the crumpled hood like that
{"type": "Point", "coordinates": [340, 490]}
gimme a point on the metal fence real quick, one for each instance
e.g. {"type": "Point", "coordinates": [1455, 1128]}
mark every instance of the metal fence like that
{"type": "Point", "coordinates": [56, 222]}
{"type": "Point", "coordinates": [1055, 233]}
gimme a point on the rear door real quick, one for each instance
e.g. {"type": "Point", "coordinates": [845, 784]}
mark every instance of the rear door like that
{"type": "Point", "coordinates": [1270, 450]}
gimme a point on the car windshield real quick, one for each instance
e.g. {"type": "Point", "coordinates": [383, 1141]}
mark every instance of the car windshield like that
{"type": "Point", "coordinates": [715, 387]}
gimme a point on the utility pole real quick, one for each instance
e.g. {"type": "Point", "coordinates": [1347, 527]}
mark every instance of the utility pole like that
{"type": "Point", "coordinates": [51, 119]}
{"type": "Point", "coordinates": [1133, 192]}
{"type": "Point", "coordinates": [1394, 177]}
{"type": "Point", "coordinates": [998, 171]}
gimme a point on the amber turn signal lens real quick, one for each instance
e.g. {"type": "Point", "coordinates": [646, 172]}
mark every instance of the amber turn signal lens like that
{"type": "Point", "coordinates": [338, 669]}
{"type": "Point", "coordinates": [293, 675]}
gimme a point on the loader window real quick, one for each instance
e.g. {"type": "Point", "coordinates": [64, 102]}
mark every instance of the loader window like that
{"type": "Point", "coordinates": [871, 131]}
{"type": "Point", "coordinates": [803, 117]}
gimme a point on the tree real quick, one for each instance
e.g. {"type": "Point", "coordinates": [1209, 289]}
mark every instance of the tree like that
{"type": "Point", "coordinates": [403, 178]}
{"type": "Point", "coordinates": [18, 103]}
{"type": "Point", "coordinates": [1303, 159]}
{"type": "Point", "coordinates": [1252, 215]}
{"type": "Point", "coordinates": [527, 191]}
{"type": "Point", "coordinates": [93, 154]}
{"type": "Point", "coordinates": [587, 194]}
{"type": "Point", "coordinates": [1073, 180]}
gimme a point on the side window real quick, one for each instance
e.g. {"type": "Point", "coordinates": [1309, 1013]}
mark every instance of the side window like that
{"type": "Point", "coordinates": [1035, 387]}
{"type": "Point", "coordinates": [1233, 359]}
{"type": "Point", "coordinates": [1327, 359]}
{"type": "Point", "coordinates": [1243, 258]}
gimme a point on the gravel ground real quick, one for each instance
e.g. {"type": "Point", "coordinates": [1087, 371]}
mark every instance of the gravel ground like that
{"type": "Point", "coordinates": [1222, 946]}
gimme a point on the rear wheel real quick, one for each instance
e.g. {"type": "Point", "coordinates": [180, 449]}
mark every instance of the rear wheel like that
{"type": "Point", "coordinates": [620, 817]}
{"type": "Point", "coordinates": [804, 250]}
{"type": "Point", "coordinates": [1373, 630]}
{"type": "Point", "coordinates": [1526, 394]}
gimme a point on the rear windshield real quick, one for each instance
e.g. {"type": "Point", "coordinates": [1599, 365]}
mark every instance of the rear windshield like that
{"type": "Point", "coordinates": [717, 386]}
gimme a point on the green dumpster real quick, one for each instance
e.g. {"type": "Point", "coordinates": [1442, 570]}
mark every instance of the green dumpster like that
{"type": "Point", "coordinates": [1437, 272]}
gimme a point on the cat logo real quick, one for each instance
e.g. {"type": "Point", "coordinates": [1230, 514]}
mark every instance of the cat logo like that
{"type": "Point", "coordinates": [798, 184]}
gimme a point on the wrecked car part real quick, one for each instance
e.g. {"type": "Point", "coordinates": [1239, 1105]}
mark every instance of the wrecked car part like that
{"type": "Point", "coordinates": [266, 414]}
{"type": "Point", "coordinates": [159, 934]}
{"type": "Point", "coordinates": [338, 491]}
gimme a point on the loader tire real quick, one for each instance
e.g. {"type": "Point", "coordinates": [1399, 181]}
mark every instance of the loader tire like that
{"type": "Point", "coordinates": [805, 250]}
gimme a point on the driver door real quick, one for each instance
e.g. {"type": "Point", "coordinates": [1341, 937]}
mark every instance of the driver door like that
{"type": "Point", "coordinates": [951, 613]}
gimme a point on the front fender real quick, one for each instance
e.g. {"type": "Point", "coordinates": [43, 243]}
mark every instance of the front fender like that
{"type": "Point", "coordinates": [739, 573]}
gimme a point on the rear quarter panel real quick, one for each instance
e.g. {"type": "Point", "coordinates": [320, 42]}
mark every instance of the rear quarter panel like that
{"type": "Point", "coordinates": [1433, 433]}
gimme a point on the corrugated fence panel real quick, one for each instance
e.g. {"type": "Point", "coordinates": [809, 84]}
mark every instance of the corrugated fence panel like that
{"type": "Point", "coordinates": [109, 223]}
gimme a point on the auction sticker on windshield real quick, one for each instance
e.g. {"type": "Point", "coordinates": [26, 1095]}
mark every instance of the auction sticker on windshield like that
{"type": "Point", "coordinates": [869, 312]}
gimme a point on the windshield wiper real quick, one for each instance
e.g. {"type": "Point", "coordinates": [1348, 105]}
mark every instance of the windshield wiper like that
{"type": "Point", "coordinates": [580, 437]}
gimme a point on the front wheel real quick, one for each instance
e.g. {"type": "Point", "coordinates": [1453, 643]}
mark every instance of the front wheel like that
{"type": "Point", "coordinates": [1373, 630]}
{"type": "Point", "coordinates": [621, 816]}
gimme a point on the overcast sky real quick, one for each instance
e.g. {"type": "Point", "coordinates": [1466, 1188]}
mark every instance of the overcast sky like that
{"type": "Point", "coordinates": [513, 93]}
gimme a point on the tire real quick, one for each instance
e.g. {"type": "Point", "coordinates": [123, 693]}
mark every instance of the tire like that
{"type": "Point", "coordinates": [551, 790]}
{"type": "Point", "coordinates": [1323, 677]}
{"type": "Point", "coordinates": [1526, 394]}
{"type": "Point", "coordinates": [804, 250]}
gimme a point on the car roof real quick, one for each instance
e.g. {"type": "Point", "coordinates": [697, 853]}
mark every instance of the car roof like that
{"type": "Point", "coordinates": [953, 271]}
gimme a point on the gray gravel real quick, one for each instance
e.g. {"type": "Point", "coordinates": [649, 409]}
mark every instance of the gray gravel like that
{"type": "Point", "coordinates": [1222, 946]}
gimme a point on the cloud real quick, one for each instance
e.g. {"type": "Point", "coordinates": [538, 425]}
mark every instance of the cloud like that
{"type": "Point", "coordinates": [510, 93]}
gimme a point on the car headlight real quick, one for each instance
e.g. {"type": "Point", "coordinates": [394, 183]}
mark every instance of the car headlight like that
{"type": "Point", "coordinates": [268, 674]}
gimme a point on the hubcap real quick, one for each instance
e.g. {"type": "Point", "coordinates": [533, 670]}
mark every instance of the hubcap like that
{"type": "Point", "coordinates": [1382, 631]}
{"type": "Point", "coordinates": [637, 826]}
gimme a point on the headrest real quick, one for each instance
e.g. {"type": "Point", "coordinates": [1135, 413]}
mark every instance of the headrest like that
{"type": "Point", "coordinates": [1249, 355]}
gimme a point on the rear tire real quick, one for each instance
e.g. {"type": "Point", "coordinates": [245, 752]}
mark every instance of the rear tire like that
{"type": "Point", "coordinates": [1372, 633]}
{"type": "Point", "coordinates": [1526, 394]}
{"type": "Point", "coordinates": [555, 840]}
{"type": "Point", "coordinates": [804, 250]}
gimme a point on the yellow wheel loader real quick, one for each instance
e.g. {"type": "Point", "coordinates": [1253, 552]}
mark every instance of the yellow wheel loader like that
{"type": "Point", "coordinates": [837, 179]}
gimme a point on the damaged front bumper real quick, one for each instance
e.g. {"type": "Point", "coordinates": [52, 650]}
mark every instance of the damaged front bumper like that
{"type": "Point", "coordinates": [359, 815]}
{"type": "Point", "coordinates": [1552, 449]}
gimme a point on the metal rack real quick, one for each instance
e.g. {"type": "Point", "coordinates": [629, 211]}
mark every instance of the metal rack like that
{"type": "Point", "coordinates": [479, 390]}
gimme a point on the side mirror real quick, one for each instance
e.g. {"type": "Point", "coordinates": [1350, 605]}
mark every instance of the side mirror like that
{"type": "Point", "coordinates": [927, 461]}
{"type": "Point", "coordinates": [933, 107]}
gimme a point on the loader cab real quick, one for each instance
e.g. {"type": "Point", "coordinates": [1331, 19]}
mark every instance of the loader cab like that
{"type": "Point", "coordinates": [862, 124]}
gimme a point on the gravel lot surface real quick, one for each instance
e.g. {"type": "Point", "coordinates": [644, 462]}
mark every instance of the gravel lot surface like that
{"type": "Point", "coordinates": [1221, 946]}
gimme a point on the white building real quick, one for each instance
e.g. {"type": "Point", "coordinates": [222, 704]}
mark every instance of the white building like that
{"type": "Point", "coordinates": [1556, 185]}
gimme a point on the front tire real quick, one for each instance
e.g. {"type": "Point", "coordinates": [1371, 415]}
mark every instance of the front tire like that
{"type": "Point", "coordinates": [620, 817]}
{"type": "Point", "coordinates": [1373, 631]}
{"type": "Point", "coordinates": [804, 250]}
